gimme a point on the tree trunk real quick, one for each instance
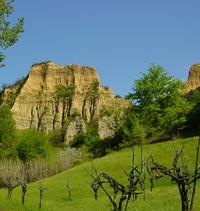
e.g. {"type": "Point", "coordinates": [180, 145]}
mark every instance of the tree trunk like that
{"type": "Point", "coordinates": [92, 107]}
{"type": "Point", "coordinates": [115, 207]}
{"type": "Point", "coordinates": [24, 189]}
{"type": "Point", "coordinates": [69, 105]}
{"type": "Point", "coordinates": [195, 175]}
{"type": "Point", "coordinates": [184, 202]}
{"type": "Point", "coordinates": [63, 112]}
{"type": "Point", "coordinates": [41, 197]}
{"type": "Point", "coordinates": [127, 201]}
{"type": "Point", "coordinates": [122, 198]}
{"type": "Point", "coordinates": [184, 198]}
{"type": "Point", "coordinates": [10, 190]}
{"type": "Point", "coordinates": [55, 115]}
{"type": "Point", "coordinates": [83, 109]}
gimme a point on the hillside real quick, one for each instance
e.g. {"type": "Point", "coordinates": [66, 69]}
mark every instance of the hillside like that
{"type": "Point", "coordinates": [164, 197]}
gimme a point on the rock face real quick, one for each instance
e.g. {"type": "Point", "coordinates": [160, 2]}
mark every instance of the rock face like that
{"type": "Point", "coordinates": [193, 81]}
{"type": "Point", "coordinates": [75, 126]}
{"type": "Point", "coordinates": [106, 128]}
{"type": "Point", "coordinates": [36, 104]}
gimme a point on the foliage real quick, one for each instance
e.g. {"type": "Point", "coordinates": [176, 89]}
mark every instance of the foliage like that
{"type": "Point", "coordinates": [193, 116]}
{"type": "Point", "coordinates": [7, 126]}
{"type": "Point", "coordinates": [8, 34]}
{"type": "Point", "coordinates": [32, 144]}
{"type": "Point", "coordinates": [78, 140]}
{"type": "Point", "coordinates": [126, 126]}
{"type": "Point", "coordinates": [93, 90]}
{"type": "Point", "coordinates": [158, 98]}
{"type": "Point", "coordinates": [174, 117]}
{"type": "Point", "coordinates": [11, 94]}
{"type": "Point", "coordinates": [57, 138]}
{"type": "Point", "coordinates": [92, 96]}
{"type": "Point", "coordinates": [44, 69]}
{"type": "Point", "coordinates": [65, 94]}
{"type": "Point", "coordinates": [118, 96]}
{"type": "Point", "coordinates": [8, 135]}
{"type": "Point", "coordinates": [132, 129]}
{"type": "Point", "coordinates": [91, 140]}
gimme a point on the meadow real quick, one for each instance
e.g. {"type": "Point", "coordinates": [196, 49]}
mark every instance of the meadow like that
{"type": "Point", "coordinates": [164, 197]}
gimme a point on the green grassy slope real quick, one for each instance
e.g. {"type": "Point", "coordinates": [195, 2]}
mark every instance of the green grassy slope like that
{"type": "Point", "coordinates": [164, 197]}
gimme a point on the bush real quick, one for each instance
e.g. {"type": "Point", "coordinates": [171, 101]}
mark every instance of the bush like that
{"type": "Point", "coordinates": [91, 140]}
{"type": "Point", "coordinates": [95, 146]}
{"type": "Point", "coordinates": [79, 140]}
{"type": "Point", "coordinates": [57, 138]}
{"type": "Point", "coordinates": [32, 144]}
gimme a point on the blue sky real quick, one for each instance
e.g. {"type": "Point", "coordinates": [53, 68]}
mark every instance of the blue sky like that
{"type": "Point", "coordinates": [121, 38]}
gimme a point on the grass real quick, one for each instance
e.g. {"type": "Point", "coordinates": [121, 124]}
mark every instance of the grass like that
{"type": "Point", "coordinates": [164, 197]}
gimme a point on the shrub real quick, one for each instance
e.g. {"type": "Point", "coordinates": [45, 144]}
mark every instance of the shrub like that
{"type": "Point", "coordinates": [33, 144]}
{"type": "Point", "coordinates": [91, 140]}
{"type": "Point", "coordinates": [93, 143]}
{"type": "Point", "coordinates": [79, 140]}
{"type": "Point", "coordinates": [57, 138]}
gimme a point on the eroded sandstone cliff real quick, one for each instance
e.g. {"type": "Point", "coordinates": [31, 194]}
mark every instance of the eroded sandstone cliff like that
{"type": "Point", "coordinates": [193, 81]}
{"type": "Point", "coordinates": [34, 104]}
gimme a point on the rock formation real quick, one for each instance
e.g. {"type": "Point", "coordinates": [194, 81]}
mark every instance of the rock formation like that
{"type": "Point", "coordinates": [193, 81]}
{"type": "Point", "coordinates": [37, 100]}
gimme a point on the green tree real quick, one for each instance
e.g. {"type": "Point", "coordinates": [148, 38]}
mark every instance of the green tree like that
{"type": "Point", "coordinates": [8, 135]}
{"type": "Point", "coordinates": [8, 34]}
{"type": "Point", "coordinates": [193, 121]}
{"type": "Point", "coordinates": [92, 96]}
{"type": "Point", "coordinates": [132, 129]}
{"type": "Point", "coordinates": [65, 94]}
{"type": "Point", "coordinates": [92, 141]}
{"type": "Point", "coordinates": [158, 98]}
{"type": "Point", "coordinates": [7, 127]}
{"type": "Point", "coordinates": [175, 116]}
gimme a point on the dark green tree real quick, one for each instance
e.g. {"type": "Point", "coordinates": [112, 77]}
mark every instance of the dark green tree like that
{"type": "Point", "coordinates": [92, 97]}
{"type": "Point", "coordinates": [65, 94]}
{"type": "Point", "coordinates": [8, 34]}
{"type": "Point", "coordinates": [92, 141]}
{"type": "Point", "coordinates": [175, 116]}
{"type": "Point", "coordinates": [132, 129]}
{"type": "Point", "coordinates": [193, 121]}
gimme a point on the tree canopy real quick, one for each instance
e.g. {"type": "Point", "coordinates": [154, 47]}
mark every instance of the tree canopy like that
{"type": "Point", "coordinates": [159, 101]}
{"type": "Point", "coordinates": [9, 34]}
